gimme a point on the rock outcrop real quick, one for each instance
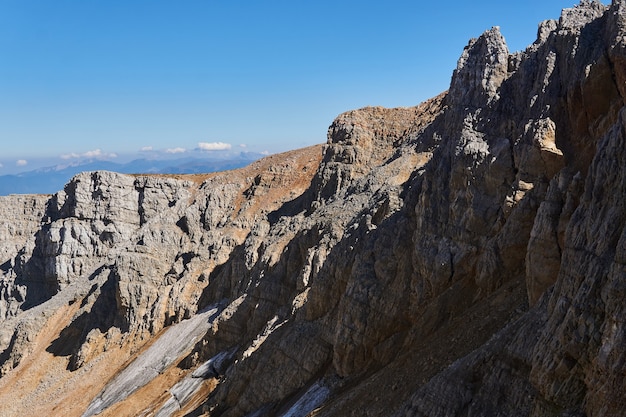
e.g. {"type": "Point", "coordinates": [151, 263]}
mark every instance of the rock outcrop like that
{"type": "Point", "coordinates": [462, 257]}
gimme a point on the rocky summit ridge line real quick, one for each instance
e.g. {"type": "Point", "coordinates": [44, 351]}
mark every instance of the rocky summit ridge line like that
{"type": "Point", "coordinates": [464, 257]}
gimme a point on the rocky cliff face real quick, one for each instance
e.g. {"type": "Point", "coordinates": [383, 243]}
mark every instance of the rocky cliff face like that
{"type": "Point", "coordinates": [463, 257]}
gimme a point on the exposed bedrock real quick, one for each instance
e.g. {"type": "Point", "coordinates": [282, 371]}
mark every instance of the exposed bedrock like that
{"type": "Point", "coordinates": [461, 257]}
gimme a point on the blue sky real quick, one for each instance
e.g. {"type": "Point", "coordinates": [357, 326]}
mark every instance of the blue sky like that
{"type": "Point", "coordinates": [108, 78]}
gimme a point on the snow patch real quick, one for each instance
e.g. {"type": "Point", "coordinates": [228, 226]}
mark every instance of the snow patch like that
{"type": "Point", "coordinates": [310, 400]}
{"type": "Point", "coordinates": [166, 350]}
{"type": "Point", "coordinates": [261, 337]}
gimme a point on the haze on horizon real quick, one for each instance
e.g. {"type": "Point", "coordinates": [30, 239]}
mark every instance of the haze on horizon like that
{"type": "Point", "coordinates": [117, 79]}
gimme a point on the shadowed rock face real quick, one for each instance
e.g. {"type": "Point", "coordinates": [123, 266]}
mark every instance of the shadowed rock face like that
{"type": "Point", "coordinates": [462, 257]}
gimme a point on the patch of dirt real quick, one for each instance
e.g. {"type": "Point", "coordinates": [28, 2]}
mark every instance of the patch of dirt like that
{"type": "Point", "coordinates": [42, 385]}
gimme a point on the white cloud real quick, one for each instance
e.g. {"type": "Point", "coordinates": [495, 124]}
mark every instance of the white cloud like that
{"type": "Point", "coordinates": [21, 162]}
{"type": "Point", "coordinates": [214, 146]}
{"type": "Point", "coordinates": [96, 153]}
{"type": "Point", "coordinates": [146, 149]}
{"type": "Point", "coordinates": [243, 145]}
{"type": "Point", "coordinates": [176, 150]}
{"type": "Point", "coordinates": [93, 154]}
{"type": "Point", "coordinates": [1, 166]}
{"type": "Point", "coordinates": [265, 153]}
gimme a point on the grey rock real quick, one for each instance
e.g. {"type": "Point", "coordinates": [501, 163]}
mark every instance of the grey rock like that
{"type": "Point", "coordinates": [460, 257]}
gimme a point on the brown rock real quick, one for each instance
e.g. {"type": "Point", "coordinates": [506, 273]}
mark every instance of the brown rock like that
{"type": "Point", "coordinates": [461, 257]}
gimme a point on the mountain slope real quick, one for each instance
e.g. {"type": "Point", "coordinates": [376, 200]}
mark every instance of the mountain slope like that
{"type": "Point", "coordinates": [462, 257]}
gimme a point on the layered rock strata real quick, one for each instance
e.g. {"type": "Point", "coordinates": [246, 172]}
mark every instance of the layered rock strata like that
{"type": "Point", "coordinates": [463, 257]}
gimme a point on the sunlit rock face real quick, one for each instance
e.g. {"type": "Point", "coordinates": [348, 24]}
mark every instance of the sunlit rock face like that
{"type": "Point", "coordinates": [461, 257]}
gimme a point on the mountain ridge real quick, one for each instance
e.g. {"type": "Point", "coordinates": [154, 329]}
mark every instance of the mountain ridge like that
{"type": "Point", "coordinates": [50, 179]}
{"type": "Point", "coordinates": [461, 257]}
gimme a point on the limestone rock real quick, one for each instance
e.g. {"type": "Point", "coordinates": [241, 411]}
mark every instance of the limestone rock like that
{"type": "Point", "coordinates": [460, 257]}
{"type": "Point", "coordinates": [23, 217]}
{"type": "Point", "coordinates": [480, 70]}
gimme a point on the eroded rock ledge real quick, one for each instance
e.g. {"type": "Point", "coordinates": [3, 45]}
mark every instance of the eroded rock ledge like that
{"type": "Point", "coordinates": [461, 257]}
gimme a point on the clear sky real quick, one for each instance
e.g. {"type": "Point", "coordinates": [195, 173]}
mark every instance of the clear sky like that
{"type": "Point", "coordinates": [112, 77]}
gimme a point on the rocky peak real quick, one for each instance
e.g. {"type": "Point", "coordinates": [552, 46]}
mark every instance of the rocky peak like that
{"type": "Point", "coordinates": [460, 257]}
{"type": "Point", "coordinates": [575, 18]}
{"type": "Point", "coordinates": [480, 70]}
{"type": "Point", "coordinates": [361, 140]}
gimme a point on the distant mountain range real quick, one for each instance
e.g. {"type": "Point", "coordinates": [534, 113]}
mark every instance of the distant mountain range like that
{"type": "Point", "coordinates": [51, 179]}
